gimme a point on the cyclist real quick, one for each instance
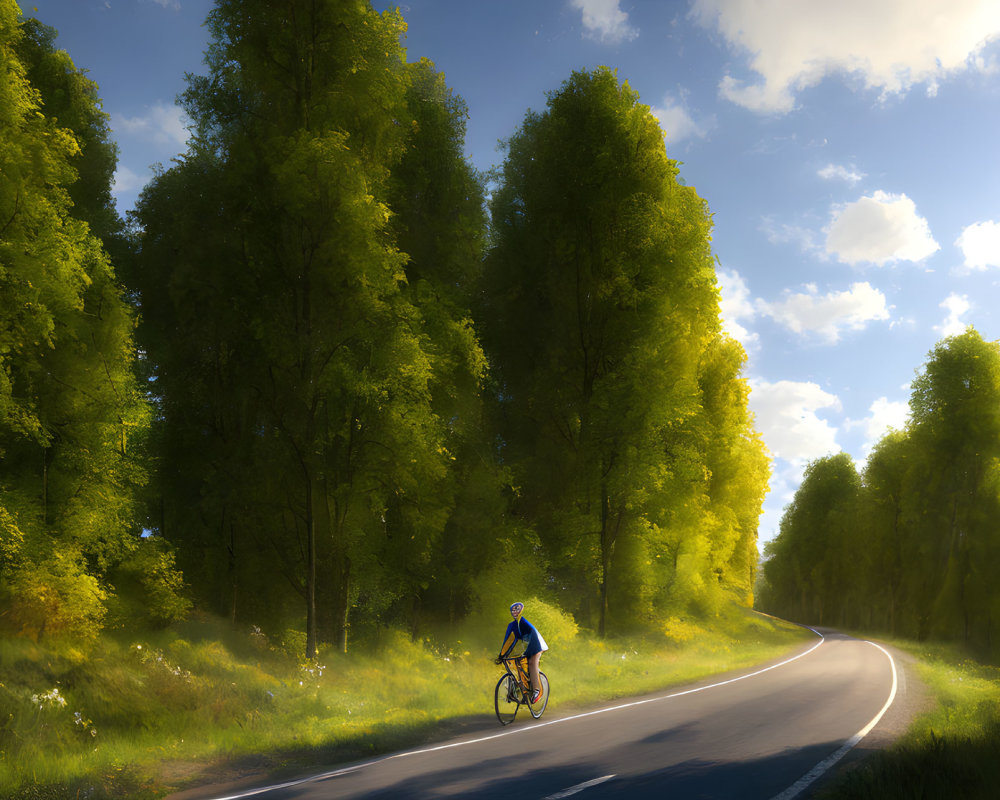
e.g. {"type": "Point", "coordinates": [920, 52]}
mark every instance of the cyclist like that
{"type": "Point", "coordinates": [522, 630]}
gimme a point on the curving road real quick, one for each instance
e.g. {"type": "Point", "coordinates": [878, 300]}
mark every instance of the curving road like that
{"type": "Point", "coordinates": [768, 732]}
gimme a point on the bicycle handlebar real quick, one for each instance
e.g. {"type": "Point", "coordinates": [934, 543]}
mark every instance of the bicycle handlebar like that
{"type": "Point", "coordinates": [501, 659]}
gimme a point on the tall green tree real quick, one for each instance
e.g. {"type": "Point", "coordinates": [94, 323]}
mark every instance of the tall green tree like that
{"type": "Point", "coordinates": [599, 307]}
{"type": "Point", "coordinates": [195, 328]}
{"type": "Point", "coordinates": [70, 409]}
{"type": "Point", "coordinates": [887, 556]}
{"type": "Point", "coordinates": [337, 363]}
{"type": "Point", "coordinates": [810, 563]}
{"type": "Point", "coordinates": [71, 100]}
{"type": "Point", "coordinates": [737, 465]}
{"type": "Point", "coordinates": [954, 486]}
{"type": "Point", "coordinates": [439, 221]}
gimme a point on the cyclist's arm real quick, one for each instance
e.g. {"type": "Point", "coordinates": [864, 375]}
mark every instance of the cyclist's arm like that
{"type": "Point", "coordinates": [509, 642]}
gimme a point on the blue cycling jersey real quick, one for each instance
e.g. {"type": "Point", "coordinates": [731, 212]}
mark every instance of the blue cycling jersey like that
{"type": "Point", "coordinates": [520, 630]}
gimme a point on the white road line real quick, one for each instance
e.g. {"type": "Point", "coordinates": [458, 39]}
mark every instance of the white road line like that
{"type": "Point", "coordinates": [299, 782]}
{"type": "Point", "coordinates": [578, 788]}
{"type": "Point", "coordinates": [536, 727]}
{"type": "Point", "coordinates": [825, 764]}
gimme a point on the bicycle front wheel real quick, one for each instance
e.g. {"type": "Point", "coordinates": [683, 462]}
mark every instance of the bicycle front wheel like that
{"type": "Point", "coordinates": [536, 709]}
{"type": "Point", "coordinates": [507, 699]}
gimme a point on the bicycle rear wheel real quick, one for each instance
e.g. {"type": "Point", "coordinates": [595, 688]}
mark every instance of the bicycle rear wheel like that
{"type": "Point", "coordinates": [507, 699]}
{"type": "Point", "coordinates": [543, 699]}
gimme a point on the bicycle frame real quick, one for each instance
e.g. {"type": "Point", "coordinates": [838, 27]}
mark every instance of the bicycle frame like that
{"type": "Point", "coordinates": [519, 674]}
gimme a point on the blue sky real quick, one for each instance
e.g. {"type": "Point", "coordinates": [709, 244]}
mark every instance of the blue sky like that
{"type": "Point", "coordinates": [847, 150]}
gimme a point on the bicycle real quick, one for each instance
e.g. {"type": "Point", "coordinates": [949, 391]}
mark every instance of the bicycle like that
{"type": "Point", "coordinates": [514, 690]}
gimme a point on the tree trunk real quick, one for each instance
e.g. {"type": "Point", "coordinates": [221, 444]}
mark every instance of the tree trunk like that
{"type": "Point", "coordinates": [343, 605]}
{"type": "Point", "coordinates": [233, 573]}
{"type": "Point", "coordinates": [45, 486]}
{"type": "Point", "coordinates": [604, 597]}
{"type": "Point", "coordinates": [605, 564]}
{"type": "Point", "coordinates": [310, 573]}
{"type": "Point", "coordinates": [609, 535]}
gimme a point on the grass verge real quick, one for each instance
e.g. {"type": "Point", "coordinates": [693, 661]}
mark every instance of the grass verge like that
{"type": "Point", "coordinates": [140, 717]}
{"type": "Point", "coordinates": [950, 752]}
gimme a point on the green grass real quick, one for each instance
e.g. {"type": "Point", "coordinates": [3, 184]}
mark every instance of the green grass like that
{"type": "Point", "coordinates": [139, 717]}
{"type": "Point", "coordinates": [950, 752]}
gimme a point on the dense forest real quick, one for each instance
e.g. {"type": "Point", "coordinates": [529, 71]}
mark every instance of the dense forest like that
{"type": "Point", "coordinates": [328, 378]}
{"type": "Point", "coordinates": [909, 545]}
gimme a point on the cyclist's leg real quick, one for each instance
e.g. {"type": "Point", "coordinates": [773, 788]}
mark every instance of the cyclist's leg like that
{"type": "Point", "coordinates": [533, 659]}
{"type": "Point", "coordinates": [522, 671]}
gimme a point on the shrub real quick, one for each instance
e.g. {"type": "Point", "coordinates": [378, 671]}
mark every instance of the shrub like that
{"type": "Point", "coordinates": [556, 626]}
{"type": "Point", "coordinates": [293, 643]}
{"type": "Point", "coordinates": [55, 595]}
{"type": "Point", "coordinates": [680, 631]}
{"type": "Point", "coordinates": [150, 588]}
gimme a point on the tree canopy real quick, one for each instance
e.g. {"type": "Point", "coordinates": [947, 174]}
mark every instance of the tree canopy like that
{"type": "Point", "coordinates": [72, 418]}
{"type": "Point", "coordinates": [320, 385]}
{"type": "Point", "coordinates": [600, 317]}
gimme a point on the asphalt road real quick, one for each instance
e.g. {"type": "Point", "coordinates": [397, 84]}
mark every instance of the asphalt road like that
{"type": "Point", "coordinates": [768, 732]}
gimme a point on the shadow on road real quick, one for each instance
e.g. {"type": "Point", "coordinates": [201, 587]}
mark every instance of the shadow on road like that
{"type": "Point", "coordinates": [761, 778]}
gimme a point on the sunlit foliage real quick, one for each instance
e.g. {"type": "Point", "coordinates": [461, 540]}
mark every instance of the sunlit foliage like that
{"type": "Point", "coordinates": [72, 419]}
{"type": "Point", "coordinates": [912, 545]}
{"type": "Point", "coordinates": [331, 450]}
{"type": "Point", "coordinates": [623, 412]}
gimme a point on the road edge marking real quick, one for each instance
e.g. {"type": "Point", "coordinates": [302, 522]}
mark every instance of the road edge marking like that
{"type": "Point", "coordinates": [578, 788]}
{"type": "Point", "coordinates": [823, 766]}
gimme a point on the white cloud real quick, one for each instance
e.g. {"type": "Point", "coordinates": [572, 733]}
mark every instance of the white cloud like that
{"type": "Point", "coordinates": [838, 172]}
{"type": "Point", "coordinates": [830, 314]}
{"type": "Point", "coordinates": [126, 181]}
{"type": "Point", "coordinates": [956, 305]}
{"type": "Point", "coordinates": [879, 229]}
{"type": "Point", "coordinates": [826, 315]}
{"type": "Point", "coordinates": [604, 21]}
{"type": "Point", "coordinates": [883, 415]}
{"type": "Point", "coordinates": [785, 414]}
{"type": "Point", "coordinates": [891, 45]}
{"type": "Point", "coordinates": [676, 122]}
{"type": "Point", "coordinates": [736, 305]}
{"type": "Point", "coordinates": [162, 125]}
{"type": "Point", "coordinates": [886, 414]}
{"type": "Point", "coordinates": [799, 402]}
{"type": "Point", "coordinates": [980, 244]}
